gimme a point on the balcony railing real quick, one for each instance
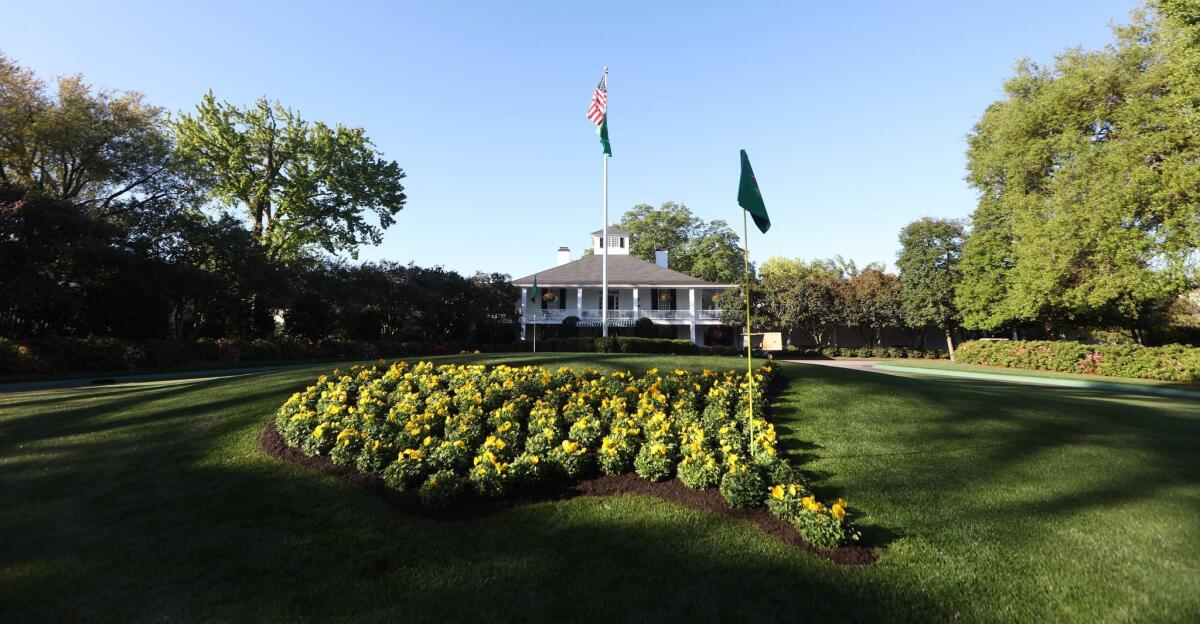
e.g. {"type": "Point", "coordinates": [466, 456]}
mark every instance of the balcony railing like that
{"type": "Point", "coordinates": [592, 316]}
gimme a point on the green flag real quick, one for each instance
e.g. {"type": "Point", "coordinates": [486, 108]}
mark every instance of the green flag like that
{"type": "Point", "coordinates": [750, 198]}
{"type": "Point", "coordinates": [536, 295]}
{"type": "Point", "coordinates": [603, 132]}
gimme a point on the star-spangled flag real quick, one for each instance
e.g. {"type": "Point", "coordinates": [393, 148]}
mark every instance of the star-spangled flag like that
{"type": "Point", "coordinates": [598, 113]}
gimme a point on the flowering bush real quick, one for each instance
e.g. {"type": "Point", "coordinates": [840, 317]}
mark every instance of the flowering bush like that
{"type": "Point", "coordinates": [821, 526]}
{"type": "Point", "coordinates": [743, 487]}
{"type": "Point", "coordinates": [446, 430]}
{"type": "Point", "coordinates": [1167, 363]}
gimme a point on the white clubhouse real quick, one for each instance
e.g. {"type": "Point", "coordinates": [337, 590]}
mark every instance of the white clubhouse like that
{"type": "Point", "coordinates": [680, 306]}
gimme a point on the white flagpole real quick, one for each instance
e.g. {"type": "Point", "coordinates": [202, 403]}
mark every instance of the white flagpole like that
{"type": "Point", "coordinates": [604, 240]}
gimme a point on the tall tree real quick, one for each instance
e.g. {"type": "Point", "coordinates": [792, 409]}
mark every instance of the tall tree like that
{"type": "Point", "coordinates": [301, 185]}
{"type": "Point", "coordinates": [928, 261]}
{"type": "Point", "coordinates": [1089, 202]}
{"type": "Point", "coordinates": [873, 303]}
{"type": "Point", "coordinates": [804, 296]}
{"type": "Point", "coordinates": [713, 252]}
{"type": "Point", "coordinates": [709, 250]}
{"type": "Point", "coordinates": [106, 151]}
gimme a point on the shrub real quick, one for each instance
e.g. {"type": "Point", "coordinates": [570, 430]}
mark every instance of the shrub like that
{"type": "Point", "coordinates": [743, 487]}
{"type": "Point", "coordinates": [407, 470]}
{"type": "Point", "coordinates": [655, 461]}
{"type": "Point", "coordinates": [19, 358]}
{"type": "Point", "coordinates": [571, 458]}
{"type": "Point", "coordinates": [1166, 363]}
{"type": "Point", "coordinates": [700, 472]}
{"type": "Point", "coordinates": [441, 488]}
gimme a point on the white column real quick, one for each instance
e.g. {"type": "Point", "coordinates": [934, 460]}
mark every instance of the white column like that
{"type": "Point", "coordinates": [524, 298]}
{"type": "Point", "coordinates": [579, 302]}
{"type": "Point", "coordinates": [635, 303]}
{"type": "Point", "coordinates": [692, 307]}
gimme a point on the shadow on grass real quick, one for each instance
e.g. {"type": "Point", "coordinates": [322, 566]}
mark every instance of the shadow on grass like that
{"type": "Point", "coordinates": [980, 432]}
{"type": "Point", "coordinates": [167, 511]}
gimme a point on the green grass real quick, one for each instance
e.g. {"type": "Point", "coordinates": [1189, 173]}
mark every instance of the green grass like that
{"type": "Point", "coordinates": [993, 502]}
{"type": "Point", "coordinates": [1000, 370]}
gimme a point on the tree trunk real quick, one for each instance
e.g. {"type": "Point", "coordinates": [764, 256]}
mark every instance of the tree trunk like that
{"type": "Point", "coordinates": [950, 342]}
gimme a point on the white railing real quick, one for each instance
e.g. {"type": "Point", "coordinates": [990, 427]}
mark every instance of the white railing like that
{"type": "Point", "coordinates": [612, 314]}
{"type": "Point", "coordinates": [667, 315]}
{"type": "Point", "coordinates": [555, 316]}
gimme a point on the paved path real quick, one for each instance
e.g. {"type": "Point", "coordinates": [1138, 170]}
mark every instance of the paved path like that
{"type": "Point", "coordinates": [896, 367]}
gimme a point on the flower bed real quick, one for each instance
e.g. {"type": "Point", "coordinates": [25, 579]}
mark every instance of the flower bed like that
{"type": "Point", "coordinates": [452, 431]}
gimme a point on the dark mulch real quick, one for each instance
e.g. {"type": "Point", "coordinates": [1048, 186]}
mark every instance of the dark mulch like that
{"type": "Point", "coordinates": [709, 500]}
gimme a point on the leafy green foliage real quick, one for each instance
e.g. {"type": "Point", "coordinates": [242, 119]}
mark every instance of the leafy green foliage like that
{"type": "Point", "coordinates": [928, 261]}
{"type": "Point", "coordinates": [744, 487]}
{"type": "Point", "coordinates": [302, 185]}
{"type": "Point", "coordinates": [108, 152]}
{"type": "Point", "coordinates": [1167, 363]}
{"type": "Point", "coordinates": [1089, 204]}
{"type": "Point", "coordinates": [708, 250]}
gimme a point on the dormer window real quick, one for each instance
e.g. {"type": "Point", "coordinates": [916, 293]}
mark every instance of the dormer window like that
{"type": "Point", "coordinates": [616, 241]}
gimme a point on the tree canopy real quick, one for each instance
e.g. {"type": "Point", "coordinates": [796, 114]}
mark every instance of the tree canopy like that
{"type": "Point", "coordinates": [930, 250]}
{"type": "Point", "coordinates": [1089, 207]}
{"type": "Point", "coordinates": [709, 250]}
{"type": "Point", "coordinates": [301, 185]}
{"type": "Point", "coordinates": [106, 151]}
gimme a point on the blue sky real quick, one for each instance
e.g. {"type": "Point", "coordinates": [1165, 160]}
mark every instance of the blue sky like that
{"type": "Point", "coordinates": [853, 116]}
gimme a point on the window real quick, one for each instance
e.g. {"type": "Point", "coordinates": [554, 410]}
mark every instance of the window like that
{"type": "Point", "coordinates": [616, 241]}
{"type": "Point", "coordinates": [614, 300]}
{"type": "Point", "coordinates": [664, 299]}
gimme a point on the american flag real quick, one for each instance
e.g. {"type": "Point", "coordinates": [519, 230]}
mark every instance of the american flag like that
{"type": "Point", "coordinates": [599, 101]}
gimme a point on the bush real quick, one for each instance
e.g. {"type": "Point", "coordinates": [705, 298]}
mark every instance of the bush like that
{"type": "Point", "coordinates": [866, 352]}
{"type": "Point", "coordinates": [821, 526]}
{"type": "Point", "coordinates": [743, 487]}
{"type": "Point", "coordinates": [655, 461]}
{"type": "Point", "coordinates": [441, 489]}
{"type": "Point", "coordinates": [1166, 363]}
{"type": "Point", "coordinates": [19, 358]}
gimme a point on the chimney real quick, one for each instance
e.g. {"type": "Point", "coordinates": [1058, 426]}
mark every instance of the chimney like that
{"type": "Point", "coordinates": [660, 258]}
{"type": "Point", "coordinates": [564, 255]}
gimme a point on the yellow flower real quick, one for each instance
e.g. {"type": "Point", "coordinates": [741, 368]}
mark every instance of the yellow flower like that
{"type": "Point", "coordinates": [319, 432]}
{"type": "Point", "coordinates": [838, 511]}
{"type": "Point", "coordinates": [777, 492]}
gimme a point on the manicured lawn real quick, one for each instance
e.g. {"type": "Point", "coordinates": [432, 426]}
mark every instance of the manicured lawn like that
{"type": "Point", "coordinates": [991, 501]}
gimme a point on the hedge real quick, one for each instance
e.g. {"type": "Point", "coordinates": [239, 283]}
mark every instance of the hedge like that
{"type": "Point", "coordinates": [867, 352]}
{"type": "Point", "coordinates": [1166, 363]}
{"type": "Point", "coordinates": [625, 344]}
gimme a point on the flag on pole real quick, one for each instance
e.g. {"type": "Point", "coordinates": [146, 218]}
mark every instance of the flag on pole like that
{"type": "Point", "coordinates": [536, 295]}
{"type": "Point", "coordinates": [750, 198]}
{"type": "Point", "coordinates": [598, 113]}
